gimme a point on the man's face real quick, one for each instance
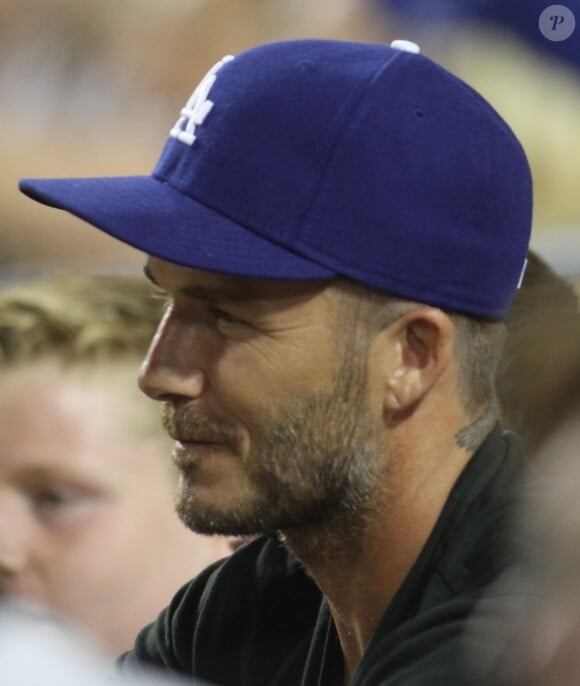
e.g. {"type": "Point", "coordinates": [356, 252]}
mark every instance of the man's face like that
{"type": "Point", "coordinates": [87, 526]}
{"type": "Point", "coordinates": [270, 415]}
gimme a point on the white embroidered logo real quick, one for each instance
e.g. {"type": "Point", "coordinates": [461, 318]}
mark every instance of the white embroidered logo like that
{"type": "Point", "coordinates": [197, 107]}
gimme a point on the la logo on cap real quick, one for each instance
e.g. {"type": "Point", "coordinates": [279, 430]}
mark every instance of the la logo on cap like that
{"type": "Point", "coordinates": [198, 106]}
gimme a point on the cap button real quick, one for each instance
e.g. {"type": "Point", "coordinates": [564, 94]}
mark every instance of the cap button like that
{"type": "Point", "coordinates": [406, 45]}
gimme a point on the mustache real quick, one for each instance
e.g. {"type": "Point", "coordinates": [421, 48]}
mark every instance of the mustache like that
{"type": "Point", "coordinates": [183, 425]}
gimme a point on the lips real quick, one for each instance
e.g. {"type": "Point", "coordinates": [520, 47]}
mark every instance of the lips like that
{"type": "Point", "coordinates": [184, 446]}
{"type": "Point", "coordinates": [190, 428]}
{"type": "Point", "coordinates": [194, 441]}
{"type": "Point", "coordinates": [187, 453]}
{"type": "Point", "coordinates": [189, 456]}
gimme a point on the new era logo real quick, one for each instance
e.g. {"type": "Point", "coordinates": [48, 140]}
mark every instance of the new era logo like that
{"type": "Point", "coordinates": [197, 107]}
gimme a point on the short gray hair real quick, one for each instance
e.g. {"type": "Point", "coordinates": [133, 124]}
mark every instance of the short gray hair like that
{"type": "Point", "coordinates": [479, 342]}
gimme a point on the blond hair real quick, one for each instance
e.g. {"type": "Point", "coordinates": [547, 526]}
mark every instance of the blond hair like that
{"type": "Point", "coordinates": [97, 328]}
{"type": "Point", "coordinates": [77, 319]}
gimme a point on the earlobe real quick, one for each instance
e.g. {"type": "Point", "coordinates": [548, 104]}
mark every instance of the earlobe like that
{"type": "Point", "coordinates": [423, 346]}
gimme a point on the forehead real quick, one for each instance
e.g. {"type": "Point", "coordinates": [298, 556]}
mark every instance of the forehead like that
{"type": "Point", "coordinates": [61, 418]}
{"type": "Point", "coordinates": [176, 279]}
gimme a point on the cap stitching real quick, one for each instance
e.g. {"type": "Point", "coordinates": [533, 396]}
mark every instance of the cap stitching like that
{"type": "Point", "coordinates": [356, 102]}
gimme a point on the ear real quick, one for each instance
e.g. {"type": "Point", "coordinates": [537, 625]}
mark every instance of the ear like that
{"type": "Point", "coordinates": [422, 343]}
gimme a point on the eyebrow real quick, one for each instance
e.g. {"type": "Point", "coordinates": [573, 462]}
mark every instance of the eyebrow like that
{"type": "Point", "coordinates": [202, 292]}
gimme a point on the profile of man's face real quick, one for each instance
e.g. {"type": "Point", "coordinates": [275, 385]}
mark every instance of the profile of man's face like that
{"type": "Point", "coordinates": [269, 413]}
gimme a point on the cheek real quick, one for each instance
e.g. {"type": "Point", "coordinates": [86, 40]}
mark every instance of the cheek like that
{"type": "Point", "coordinates": [259, 375]}
{"type": "Point", "coordinates": [242, 384]}
{"type": "Point", "coordinates": [94, 569]}
{"type": "Point", "coordinates": [87, 548]}
{"type": "Point", "coordinates": [95, 576]}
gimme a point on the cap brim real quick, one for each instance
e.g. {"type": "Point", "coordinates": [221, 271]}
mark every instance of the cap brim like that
{"type": "Point", "coordinates": [154, 217]}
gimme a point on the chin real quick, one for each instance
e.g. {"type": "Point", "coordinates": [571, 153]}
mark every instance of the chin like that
{"type": "Point", "coordinates": [210, 510]}
{"type": "Point", "coordinates": [244, 517]}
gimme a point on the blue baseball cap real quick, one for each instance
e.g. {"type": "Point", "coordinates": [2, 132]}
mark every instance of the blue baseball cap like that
{"type": "Point", "coordinates": [313, 159]}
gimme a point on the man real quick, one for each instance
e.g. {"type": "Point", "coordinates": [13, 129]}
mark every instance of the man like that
{"type": "Point", "coordinates": [87, 527]}
{"type": "Point", "coordinates": [338, 228]}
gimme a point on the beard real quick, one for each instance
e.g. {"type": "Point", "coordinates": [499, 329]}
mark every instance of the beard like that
{"type": "Point", "coordinates": [314, 460]}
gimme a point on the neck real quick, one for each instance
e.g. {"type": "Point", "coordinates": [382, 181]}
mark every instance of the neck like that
{"type": "Point", "coordinates": [361, 563]}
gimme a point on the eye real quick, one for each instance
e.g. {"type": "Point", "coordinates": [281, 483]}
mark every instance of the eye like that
{"type": "Point", "coordinates": [225, 318]}
{"type": "Point", "coordinates": [58, 506]}
{"type": "Point", "coordinates": [51, 498]}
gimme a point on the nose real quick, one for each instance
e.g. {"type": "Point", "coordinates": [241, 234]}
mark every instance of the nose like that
{"type": "Point", "coordinates": [12, 561]}
{"type": "Point", "coordinates": [174, 365]}
{"type": "Point", "coordinates": [12, 567]}
{"type": "Point", "coordinates": [14, 543]}
{"type": "Point", "coordinates": [20, 577]}
{"type": "Point", "coordinates": [22, 551]}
